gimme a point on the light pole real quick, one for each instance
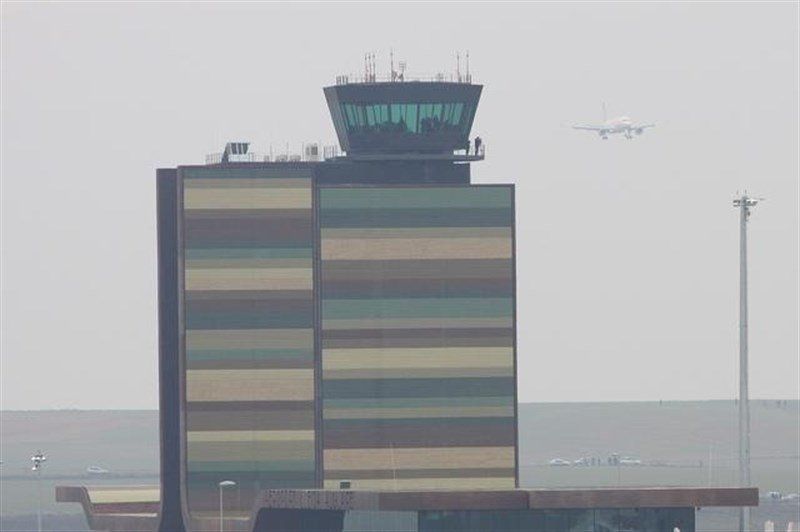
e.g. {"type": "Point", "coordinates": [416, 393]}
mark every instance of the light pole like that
{"type": "Point", "coordinates": [38, 459]}
{"type": "Point", "coordinates": [222, 485]}
{"type": "Point", "coordinates": [743, 203]}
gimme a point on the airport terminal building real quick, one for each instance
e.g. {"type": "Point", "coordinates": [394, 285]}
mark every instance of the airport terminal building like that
{"type": "Point", "coordinates": [338, 341]}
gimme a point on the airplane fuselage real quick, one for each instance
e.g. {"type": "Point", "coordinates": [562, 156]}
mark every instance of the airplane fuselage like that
{"type": "Point", "coordinates": [621, 124]}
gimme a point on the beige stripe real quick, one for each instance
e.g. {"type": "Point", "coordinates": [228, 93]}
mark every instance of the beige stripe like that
{"type": "Point", "coordinates": [246, 182]}
{"type": "Point", "coordinates": [249, 279]}
{"type": "Point", "coordinates": [416, 248]}
{"type": "Point", "coordinates": [250, 339]}
{"type": "Point", "coordinates": [201, 264]}
{"type": "Point", "coordinates": [248, 435]}
{"type": "Point", "coordinates": [425, 483]}
{"type": "Point", "coordinates": [422, 412]}
{"type": "Point", "coordinates": [105, 496]}
{"type": "Point", "coordinates": [415, 323]}
{"type": "Point", "coordinates": [250, 385]}
{"type": "Point", "coordinates": [420, 458]}
{"type": "Point", "coordinates": [246, 198]}
{"type": "Point", "coordinates": [415, 232]}
{"type": "Point", "coordinates": [250, 373]}
{"type": "Point", "coordinates": [438, 357]}
{"type": "Point", "coordinates": [417, 373]}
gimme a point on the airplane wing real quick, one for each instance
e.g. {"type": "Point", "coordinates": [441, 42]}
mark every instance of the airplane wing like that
{"type": "Point", "coordinates": [591, 128]}
{"type": "Point", "coordinates": [643, 126]}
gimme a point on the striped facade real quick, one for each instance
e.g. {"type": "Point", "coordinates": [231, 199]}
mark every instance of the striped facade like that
{"type": "Point", "coordinates": [246, 248]}
{"type": "Point", "coordinates": [418, 337]}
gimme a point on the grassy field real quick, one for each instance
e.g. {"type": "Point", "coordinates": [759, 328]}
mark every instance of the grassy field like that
{"type": "Point", "coordinates": [680, 436]}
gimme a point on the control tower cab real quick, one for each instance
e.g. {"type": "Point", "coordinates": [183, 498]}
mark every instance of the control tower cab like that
{"type": "Point", "coordinates": [405, 119]}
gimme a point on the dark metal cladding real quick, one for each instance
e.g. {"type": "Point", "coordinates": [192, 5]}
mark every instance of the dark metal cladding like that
{"type": "Point", "coordinates": [171, 518]}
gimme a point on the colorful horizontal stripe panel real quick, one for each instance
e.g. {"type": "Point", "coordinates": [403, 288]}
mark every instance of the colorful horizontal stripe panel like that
{"type": "Point", "coordinates": [417, 310]}
{"type": "Point", "coordinates": [248, 313]}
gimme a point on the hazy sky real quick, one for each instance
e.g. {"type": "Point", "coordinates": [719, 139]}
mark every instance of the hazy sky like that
{"type": "Point", "coordinates": [627, 250]}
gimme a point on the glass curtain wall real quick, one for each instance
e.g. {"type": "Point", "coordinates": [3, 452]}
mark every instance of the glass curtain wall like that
{"type": "Point", "coordinates": [414, 118]}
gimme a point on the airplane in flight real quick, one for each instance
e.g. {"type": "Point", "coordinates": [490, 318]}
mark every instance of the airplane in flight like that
{"type": "Point", "coordinates": [622, 124]}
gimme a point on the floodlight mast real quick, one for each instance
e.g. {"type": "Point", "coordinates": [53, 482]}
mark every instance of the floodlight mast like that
{"type": "Point", "coordinates": [38, 459]}
{"type": "Point", "coordinates": [744, 204]}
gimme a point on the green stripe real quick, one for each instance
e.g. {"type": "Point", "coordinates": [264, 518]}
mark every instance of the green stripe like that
{"type": "Point", "coordinates": [249, 253]}
{"type": "Point", "coordinates": [429, 218]}
{"type": "Point", "coordinates": [247, 263]}
{"type": "Point", "coordinates": [414, 308]}
{"type": "Point", "coordinates": [416, 198]}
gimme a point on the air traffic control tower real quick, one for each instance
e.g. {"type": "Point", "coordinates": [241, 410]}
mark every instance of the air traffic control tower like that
{"type": "Point", "coordinates": [342, 322]}
{"type": "Point", "coordinates": [337, 342]}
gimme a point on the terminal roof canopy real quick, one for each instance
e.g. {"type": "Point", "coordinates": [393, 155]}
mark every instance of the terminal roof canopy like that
{"type": "Point", "coordinates": [405, 117]}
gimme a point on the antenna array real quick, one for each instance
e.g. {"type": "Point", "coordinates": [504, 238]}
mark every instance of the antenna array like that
{"type": "Point", "coordinates": [370, 70]}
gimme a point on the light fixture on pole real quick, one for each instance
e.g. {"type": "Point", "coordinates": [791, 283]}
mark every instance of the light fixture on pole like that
{"type": "Point", "coordinates": [744, 203]}
{"type": "Point", "coordinates": [38, 459]}
{"type": "Point", "coordinates": [222, 485]}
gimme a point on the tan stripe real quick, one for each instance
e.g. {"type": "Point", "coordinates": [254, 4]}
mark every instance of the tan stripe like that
{"type": "Point", "coordinates": [245, 182]}
{"type": "Point", "coordinates": [416, 248]}
{"type": "Point", "coordinates": [417, 373]}
{"type": "Point", "coordinates": [415, 232]}
{"type": "Point", "coordinates": [249, 279]}
{"type": "Point", "coordinates": [201, 264]}
{"type": "Point", "coordinates": [422, 412]}
{"type": "Point", "coordinates": [112, 495]}
{"type": "Point", "coordinates": [415, 323]}
{"type": "Point", "coordinates": [249, 451]}
{"type": "Point", "coordinates": [438, 357]}
{"type": "Point", "coordinates": [250, 385]}
{"type": "Point", "coordinates": [425, 483]}
{"type": "Point", "coordinates": [246, 198]}
{"type": "Point", "coordinates": [420, 458]}
{"type": "Point", "coordinates": [249, 435]}
{"type": "Point", "coordinates": [250, 373]}
{"type": "Point", "coordinates": [250, 339]}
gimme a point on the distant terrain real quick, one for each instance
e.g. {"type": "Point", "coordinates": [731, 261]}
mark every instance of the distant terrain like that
{"type": "Point", "coordinates": [677, 443]}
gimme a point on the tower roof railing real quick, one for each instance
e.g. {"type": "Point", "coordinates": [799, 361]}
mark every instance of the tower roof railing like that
{"type": "Point", "coordinates": [400, 77]}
